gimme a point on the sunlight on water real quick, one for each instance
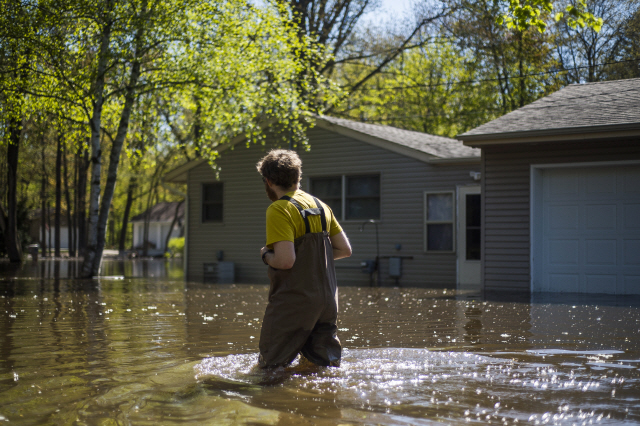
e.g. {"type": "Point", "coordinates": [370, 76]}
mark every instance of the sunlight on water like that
{"type": "Point", "coordinates": [457, 386]}
{"type": "Point", "coordinates": [156, 351]}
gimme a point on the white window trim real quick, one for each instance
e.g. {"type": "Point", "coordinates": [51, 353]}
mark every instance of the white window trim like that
{"type": "Point", "coordinates": [435, 222]}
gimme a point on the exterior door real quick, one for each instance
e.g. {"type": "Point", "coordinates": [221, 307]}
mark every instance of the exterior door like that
{"type": "Point", "coordinates": [469, 234]}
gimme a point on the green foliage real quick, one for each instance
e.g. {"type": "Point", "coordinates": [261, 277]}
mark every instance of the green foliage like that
{"type": "Point", "coordinates": [176, 246]}
{"type": "Point", "coordinates": [524, 14]}
{"type": "Point", "coordinates": [421, 91]}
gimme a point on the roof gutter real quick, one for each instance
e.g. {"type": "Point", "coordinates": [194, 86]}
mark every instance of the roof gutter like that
{"type": "Point", "coordinates": [553, 135]}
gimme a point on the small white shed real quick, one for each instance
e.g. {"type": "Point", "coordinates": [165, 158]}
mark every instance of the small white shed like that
{"type": "Point", "coordinates": [160, 217]}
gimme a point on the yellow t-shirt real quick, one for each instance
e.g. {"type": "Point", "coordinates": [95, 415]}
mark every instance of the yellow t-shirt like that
{"type": "Point", "coordinates": [285, 223]}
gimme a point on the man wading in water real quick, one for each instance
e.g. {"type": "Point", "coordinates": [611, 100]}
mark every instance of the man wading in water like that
{"type": "Point", "coordinates": [303, 240]}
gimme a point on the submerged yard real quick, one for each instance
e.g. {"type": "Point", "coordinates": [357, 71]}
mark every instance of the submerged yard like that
{"type": "Point", "coordinates": [149, 349]}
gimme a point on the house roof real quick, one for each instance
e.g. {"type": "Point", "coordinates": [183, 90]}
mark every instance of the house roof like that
{"type": "Point", "coordinates": [418, 145]}
{"type": "Point", "coordinates": [576, 111]}
{"type": "Point", "coordinates": [162, 212]}
{"type": "Point", "coordinates": [414, 143]}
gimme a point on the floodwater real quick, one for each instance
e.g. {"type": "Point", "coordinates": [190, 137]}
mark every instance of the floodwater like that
{"type": "Point", "coordinates": [152, 350]}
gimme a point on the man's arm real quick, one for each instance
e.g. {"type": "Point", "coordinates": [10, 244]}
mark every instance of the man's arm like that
{"type": "Point", "coordinates": [283, 255]}
{"type": "Point", "coordinates": [341, 246]}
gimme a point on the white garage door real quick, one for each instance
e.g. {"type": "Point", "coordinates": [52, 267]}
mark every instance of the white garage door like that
{"type": "Point", "coordinates": [590, 230]}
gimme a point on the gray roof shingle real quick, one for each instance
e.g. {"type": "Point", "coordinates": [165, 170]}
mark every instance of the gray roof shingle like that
{"type": "Point", "coordinates": [604, 103]}
{"type": "Point", "coordinates": [438, 146]}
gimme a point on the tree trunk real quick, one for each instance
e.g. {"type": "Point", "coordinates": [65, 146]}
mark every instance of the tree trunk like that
{"type": "Point", "coordinates": [43, 204]}
{"type": "Point", "coordinates": [173, 223]}
{"type": "Point", "coordinates": [58, 196]}
{"type": "Point", "coordinates": [49, 226]}
{"type": "Point", "coordinates": [93, 258]}
{"type": "Point", "coordinates": [72, 249]}
{"type": "Point", "coordinates": [146, 223]}
{"type": "Point", "coordinates": [91, 250]}
{"type": "Point", "coordinates": [81, 200]}
{"type": "Point", "coordinates": [11, 238]}
{"type": "Point", "coordinates": [133, 183]}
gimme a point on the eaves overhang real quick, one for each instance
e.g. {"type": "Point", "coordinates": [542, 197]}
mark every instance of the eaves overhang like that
{"type": "Point", "coordinates": [566, 134]}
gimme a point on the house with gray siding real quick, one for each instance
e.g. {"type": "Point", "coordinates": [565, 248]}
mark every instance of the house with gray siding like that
{"type": "Point", "coordinates": [561, 192]}
{"type": "Point", "coordinates": [398, 194]}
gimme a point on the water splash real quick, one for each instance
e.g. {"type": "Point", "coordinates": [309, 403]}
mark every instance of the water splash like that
{"type": "Point", "coordinates": [431, 384]}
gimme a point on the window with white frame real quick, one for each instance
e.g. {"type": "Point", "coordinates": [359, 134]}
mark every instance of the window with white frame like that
{"type": "Point", "coordinates": [439, 214]}
{"type": "Point", "coordinates": [350, 197]}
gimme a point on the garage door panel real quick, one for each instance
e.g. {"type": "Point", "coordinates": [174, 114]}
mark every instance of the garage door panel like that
{"type": "Point", "coordinates": [590, 220]}
{"type": "Point", "coordinates": [601, 252]}
{"type": "Point", "coordinates": [631, 252]}
{"type": "Point", "coordinates": [631, 216]}
{"type": "Point", "coordinates": [563, 252]}
{"type": "Point", "coordinates": [601, 216]}
{"type": "Point", "coordinates": [631, 179]}
{"type": "Point", "coordinates": [566, 283]}
{"type": "Point", "coordinates": [601, 283]}
{"type": "Point", "coordinates": [563, 217]}
{"type": "Point", "coordinates": [600, 183]}
{"type": "Point", "coordinates": [562, 186]}
{"type": "Point", "coordinates": [631, 284]}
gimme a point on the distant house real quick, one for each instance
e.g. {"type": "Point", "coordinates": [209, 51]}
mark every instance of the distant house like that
{"type": "Point", "coordinates": [421, 191]}
{"type": "Point", "coordinates": [561, 192]}
{"type": "Point", "coordinates": [160, 218]}
{"type": "Point", "coordinates": [49, 237]}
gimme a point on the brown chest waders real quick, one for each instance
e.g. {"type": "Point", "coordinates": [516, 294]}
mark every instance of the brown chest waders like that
{"type": "Point", "coordinates": [302, 311]}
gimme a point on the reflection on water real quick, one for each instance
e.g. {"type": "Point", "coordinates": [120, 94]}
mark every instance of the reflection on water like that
{"type": "Point", "coordinates": [154, 351]}
{"type": "Point", "coordinates": [69, 268]}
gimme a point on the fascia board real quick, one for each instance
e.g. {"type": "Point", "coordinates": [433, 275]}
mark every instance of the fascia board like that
{"type": "Point", "coordinates": [553, 135]}
{"type": "Point", "coordinates": [458, 160]}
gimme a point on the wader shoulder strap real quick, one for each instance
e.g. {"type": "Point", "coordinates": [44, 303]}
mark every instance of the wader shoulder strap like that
{"type": "Point", "coordinates": [323, 218]}
{"type": "Point", "coordinates": [305, 213]}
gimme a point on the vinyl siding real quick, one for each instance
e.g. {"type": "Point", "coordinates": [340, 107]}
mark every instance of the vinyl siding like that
{"type": "Point", "coordinates": [506, 204]}
{"type": "Point", "coordinates": [403, 182]}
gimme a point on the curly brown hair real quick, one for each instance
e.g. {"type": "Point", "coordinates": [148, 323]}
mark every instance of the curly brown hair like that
{"type": "Point", "coordinates": [282, 167]}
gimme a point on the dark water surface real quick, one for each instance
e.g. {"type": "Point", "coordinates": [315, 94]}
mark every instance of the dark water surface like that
{"type": "Point", "coordinates": [152, 350]}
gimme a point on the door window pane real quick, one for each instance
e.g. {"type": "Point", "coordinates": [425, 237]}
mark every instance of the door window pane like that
{"type": "Point", "coordinates": [473, 226]}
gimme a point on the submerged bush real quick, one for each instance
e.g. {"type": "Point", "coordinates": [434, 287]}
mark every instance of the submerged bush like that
{"type": "Point", "coordinates": [176, 246]}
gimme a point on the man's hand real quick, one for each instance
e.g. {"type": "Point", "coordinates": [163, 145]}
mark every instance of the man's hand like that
{"type": "Point", "coordinates": [283, 255]}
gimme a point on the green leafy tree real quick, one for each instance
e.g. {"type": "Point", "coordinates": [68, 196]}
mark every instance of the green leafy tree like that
{"type": "Point", "coordinates": [428, 89]}
{"type": "Point", "coordinates": [240, 60]}
{"type": "Point", "coordinates": [588, 55]}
